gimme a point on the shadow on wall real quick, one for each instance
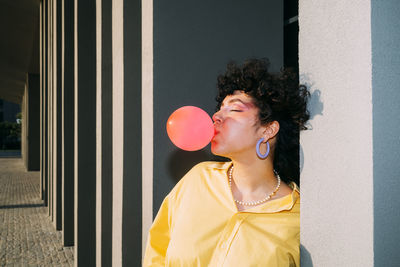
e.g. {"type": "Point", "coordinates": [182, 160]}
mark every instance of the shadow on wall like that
{"type": "Point", "coordinates": [315, 107]}
{"type": "Point", "coordinates": [305, 257]}
{"type": "Point", "coordinates": [180, 161]}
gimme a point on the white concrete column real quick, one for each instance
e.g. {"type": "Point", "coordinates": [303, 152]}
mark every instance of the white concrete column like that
{"type": "Point", "coordinates": [337, 158]}
{"type": "Point", "coordinates": [147, 119]}
{"type": "Point", "coordinates": [57, 118]}
{"type": "Point", "coordinates": [41, 84]}
{"type": "Point", "coordinates": [24, 113]}
{"type": "Point", "coordinates": [43, 104]}
{"type": "Point", "coordinates": [98, 134]}
{"type": "Point", "coordinates": [50, 106]}
{"type": "Point", "coordinates": [54, 111]}
{"type": "Point", "coordinates": [126, 134]}
{"type": "Point", "coordinates": [118, 128]}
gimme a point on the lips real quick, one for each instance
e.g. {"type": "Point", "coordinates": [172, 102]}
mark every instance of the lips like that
{"type": "Point", "coordinates": [215, 133]}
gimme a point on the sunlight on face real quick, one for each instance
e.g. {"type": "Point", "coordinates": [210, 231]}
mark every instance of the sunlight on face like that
{"type": "Point", "coordinates": [236, 126]}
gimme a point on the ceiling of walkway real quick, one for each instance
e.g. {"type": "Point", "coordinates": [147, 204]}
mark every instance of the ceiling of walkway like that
{"type": "Point", "coordinates": [19, 46]}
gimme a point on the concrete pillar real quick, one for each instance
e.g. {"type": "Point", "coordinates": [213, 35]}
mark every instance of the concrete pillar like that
{"type": "Point", "coordinates": [41, 66]}
{"type": "Point", "coordinates": [24, 137]}
{"type": "Point", "coordinates": [49, 109]}
{"type": "Point", "coordinates": [53, 103]}
{"type": "Point", "coordinates": [59, 115]}
{"type": "Point", "coordinates": [52, 112]}
{"type": "Point", "coordinates": [147, 119]}
{"type": "Point", "coordinates": [132, 136]}
{"type": "Point", "coordinates": [337, 209]}
{"type": "Point", "coordinates": [43, 105]}
{"type": "Point", "coordinates": [118, 129]}
{"type": "Point", "coordinates": [85, 132]}
{"type": "Point", "coordinates": [67, 85]}
{"type": "Point", "coordinates": [104, 134]}
{"type": "Point", "coordinates": [50, 105]}
{"type": "Point", "coordinates": [32, 123]}
{"type": "Point", "coordinates": [127, 182]}
{"type": "Point", "coordinates": [56, 121]}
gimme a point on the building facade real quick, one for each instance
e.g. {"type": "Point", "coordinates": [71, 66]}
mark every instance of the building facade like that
{"type": "Point", "coordinates": [111, 72]}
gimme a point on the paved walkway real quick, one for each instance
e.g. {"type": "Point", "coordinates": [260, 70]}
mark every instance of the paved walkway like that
{"type": "Point", "coordinates": [27, 236]}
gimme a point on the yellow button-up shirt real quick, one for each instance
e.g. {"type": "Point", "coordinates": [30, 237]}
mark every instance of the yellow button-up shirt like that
{"type": "Point", "coordinates": [198, 224]}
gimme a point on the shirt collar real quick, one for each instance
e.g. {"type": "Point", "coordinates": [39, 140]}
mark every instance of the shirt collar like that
{"type": "Point", "coordinates": [281, 204]}
{"type": "Point", "coordinates": [220, 165]}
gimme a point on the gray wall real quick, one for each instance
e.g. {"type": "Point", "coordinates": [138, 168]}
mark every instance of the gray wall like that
{"type": "Point", "coordinates": [68, 127]}
{"type": "Point", "coordinates": [386, 128]}
{"type": "Point", "coordinates": [193, 42]}
{"type": "Point", "coordinates": [132, 142]}
{"type": "Point", "coordinates": [85, 134]}
{"type": "Point", "coordinates": [106, 133]}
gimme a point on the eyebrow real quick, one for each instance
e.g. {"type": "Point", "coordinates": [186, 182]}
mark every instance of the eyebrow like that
{"type": "Point", "coordinates": [233, 101]}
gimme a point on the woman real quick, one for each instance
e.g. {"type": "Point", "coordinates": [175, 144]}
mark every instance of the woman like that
{"type": "Point", "coordinates": [243, 212]}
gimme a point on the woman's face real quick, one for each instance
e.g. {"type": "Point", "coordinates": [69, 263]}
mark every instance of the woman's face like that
{"type": "Point", "coordinates": [237, 126]}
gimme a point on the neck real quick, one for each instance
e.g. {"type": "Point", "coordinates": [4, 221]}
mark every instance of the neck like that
{"type": "Point", "coordinates": [255, 175]}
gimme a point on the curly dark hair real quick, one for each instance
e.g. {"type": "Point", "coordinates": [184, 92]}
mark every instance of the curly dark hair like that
{"type": "Point", "coordinates": [279, 97]}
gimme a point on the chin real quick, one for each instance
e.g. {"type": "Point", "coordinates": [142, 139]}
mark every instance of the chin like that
{"type": "Point", "coordinates": [217, 150]}
{"type": "Point", "coordinates": [214, 148]}
{"type": "Point", "coordinates": [215, 153]}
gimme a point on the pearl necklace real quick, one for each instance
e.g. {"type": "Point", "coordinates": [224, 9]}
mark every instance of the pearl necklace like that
{"type": "Point", "coordinates": [254, 203]}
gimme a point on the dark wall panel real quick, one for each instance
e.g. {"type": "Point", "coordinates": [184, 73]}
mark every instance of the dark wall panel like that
{"type": "Point", "coordinates": [85, 135]}
{"type": "Point", "coordinates": [132, 172]}
{"type": "Point", "coordinates": [34, 123]}
{"type": "Point", "coordinates": [106, 133]}
{"type": "Point", "coordinates": [69, 126]}
{"type": "Point", "coordinates": [193, 42]}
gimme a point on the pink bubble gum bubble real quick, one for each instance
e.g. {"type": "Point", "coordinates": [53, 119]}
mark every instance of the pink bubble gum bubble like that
{"type": "Point", "coordinates": [190, 128]}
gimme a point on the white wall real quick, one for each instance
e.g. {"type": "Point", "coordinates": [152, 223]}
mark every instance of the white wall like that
{"type": "Point", "coordinates": [337, 154]}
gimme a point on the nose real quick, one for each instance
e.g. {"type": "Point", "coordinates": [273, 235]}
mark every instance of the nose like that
{"type": "Point", "coordinates": [217, 117]}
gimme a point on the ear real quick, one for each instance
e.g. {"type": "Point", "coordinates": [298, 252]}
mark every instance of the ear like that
{"type": "Point", "coordinates": [271, 130]}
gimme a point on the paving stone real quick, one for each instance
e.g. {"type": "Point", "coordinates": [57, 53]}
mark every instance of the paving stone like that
{"type": "Point", "coordinates": [27, 236]}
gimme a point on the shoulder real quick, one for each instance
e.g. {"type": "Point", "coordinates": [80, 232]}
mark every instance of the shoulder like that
{"type": "Point", "coordinates": [198, 174]}
{"type": "Point", "coordinates": [205, 169]}
{"type": "Point", "coordinates": [211, 165]}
